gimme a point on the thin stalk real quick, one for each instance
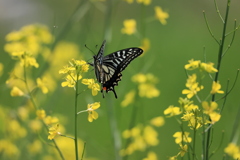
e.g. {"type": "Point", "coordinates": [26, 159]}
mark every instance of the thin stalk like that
{"type": "Point", "coordinates": [84, 147]}
{"type": "Point", "coordinates": [76, 118]}
{"type": "Point", "coordinates": [220, 52]}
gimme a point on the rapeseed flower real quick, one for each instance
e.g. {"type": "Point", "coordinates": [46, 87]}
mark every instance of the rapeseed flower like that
{"type": "Point", "coordinates": [157, 121]}
{"type": "Point", "coordinates": [182, 137]}
{"type": "Point", "coordinates": [16, 92]}
{"type": "Point", "coordinates": [151, 156]}
{"type": "Point", "coordinates": [172, 111]}
{"type": "Point", "coordinates": [129, 26]}
{"type": "Point", "coordinates": [216, 86]}
{"type": "Point", "coordinates": [53, 131]}
{"type": "Point", "coordinates": [145, 2]}
{"type": "Point", "coordinates": [92, 114]}
{"type": "Point", "coordinates": [42, 85]}
{"type": "Point", "coordinates": [92, 85]}
{"type": "Point", "coordinates": [161, 15]}
{"type": "Point", "coordinates": [233, 150]}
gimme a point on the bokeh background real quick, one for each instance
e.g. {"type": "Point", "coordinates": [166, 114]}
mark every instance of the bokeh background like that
{"type": "Point", "coordinates": [183, 37]}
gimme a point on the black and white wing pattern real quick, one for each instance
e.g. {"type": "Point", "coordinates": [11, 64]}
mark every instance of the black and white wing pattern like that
{"type": "Point", "coordinates": [108, 68]}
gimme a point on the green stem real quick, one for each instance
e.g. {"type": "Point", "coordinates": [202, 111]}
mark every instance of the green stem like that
{"type": "Point", "coordinates": [76, 118]}
{"type": "Point", "coordinates": [220, 52]}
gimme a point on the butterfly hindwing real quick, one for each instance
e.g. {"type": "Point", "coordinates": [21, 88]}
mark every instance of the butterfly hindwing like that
{"type": "Point", "coordinates": [108, 68]}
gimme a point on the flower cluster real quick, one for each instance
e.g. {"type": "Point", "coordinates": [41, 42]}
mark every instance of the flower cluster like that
{"type": "Point", "coordinates": [233, 150]}
{"type": "Point", "coordinates": [146, 88]}
{"type": "Point", "coordinates": [142, 137]}
{"type": "Point", "coordinates": [197, 116]}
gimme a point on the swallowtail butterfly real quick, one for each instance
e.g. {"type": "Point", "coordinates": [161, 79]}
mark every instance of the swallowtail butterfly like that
{"type": "Point", "coordinates": [108, 68]}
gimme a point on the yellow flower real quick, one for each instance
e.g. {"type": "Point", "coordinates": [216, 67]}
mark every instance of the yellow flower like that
{"type": "Point", "coordinates": [92, 85]}
{"type": "Point", "coordinates": [42, 85]}
{"type": "Point", "coordinates": [151, 156]}
{"type": "Point", "coordinates": [193, 86]}
{"type": "Point", "coordinates": [148, 90]}
{"type": "Point", "coordinates": [182, 136]}
{"type": "Point", "coordinates": [208, 67]}
{"type": "Point", "coordinates": [41, 114]}
{"type": "Point", "coordinates": [35, 125]}
{"type": "Point", "coordinates": [139, 78]}
{"type": "Point", "coordinates": [183, 150]}
{"type": "Point", "coordinates": [129, 98]}
{"type": "Point", "coordinates": [161, 15]}
{"type": "Point", "coordinates": [16, 92]}
{"type": "Point", "coordinates": [129, 26]}
{"type": "Point", "coordinates": [208, 109]}
{"type": "Point", "coordinates": [27, 61]}
{"type": "Point", "coordinates": [190, 107]}
{"type": "Point", "coordinates": [233, 150]}
{"type": "Point", "coordinates": [53, 131]}
{"type": "Point", "coordinates": [215, 117]}
{"type": "Point", "coordinates": [92, 114]}
{"type": "Point", "coordinates": [172, 111]}
{"type": "Point", "coordinates": [192, 64]}
{"type": "Point", "coordinates": [150, 136]}
{"type": "Point", "coordinates": [145, 2]}
{"type": "Point", "coordinates": [84, 67]}
{"type": "Point", "coordinates": [157, 121]}
{"type": "Point", "coordinates": [71, 80]}
{"type": "Point", "coordinates": [15, 129]}
{"type": "Point", "coordinates": [216, 88]}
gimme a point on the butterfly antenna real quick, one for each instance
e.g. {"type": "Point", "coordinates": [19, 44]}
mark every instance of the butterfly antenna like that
{"type": "Point", "coordinates": [89, 49]}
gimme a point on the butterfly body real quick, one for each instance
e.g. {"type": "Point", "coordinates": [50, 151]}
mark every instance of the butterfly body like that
{"type": "Point", "coordinates": [108, 68]}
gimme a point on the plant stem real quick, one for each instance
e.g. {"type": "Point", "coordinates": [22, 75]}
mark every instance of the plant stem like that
{"type": "Point", "coordinates": [76, 118]}
{"type": "Point", "coordinates": [220, 53]}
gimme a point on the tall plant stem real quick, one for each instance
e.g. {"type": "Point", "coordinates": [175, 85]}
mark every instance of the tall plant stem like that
{"type": "Point", "coordinates": [220, 55]}
{"type": "Point", "coordinates": [76, 118]}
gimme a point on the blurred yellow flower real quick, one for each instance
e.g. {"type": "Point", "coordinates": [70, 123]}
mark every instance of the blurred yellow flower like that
{"type": "Point", "coordinates": [148, 90]}
{"type": "Point", "coordinates": [53, 131]}
{"type": "Point", "coordinates": [66, 69]}
{"type": "Point", "coordinates": [50, 120]}
{"type": "Point", "coordinates": [35, 147]}
{"type": "Point", "coordinates": [42, 85]}
{"type": "Point", "coordinates": [28, 61]}
{"type": "Point", "coordinates": [92, 114]}
{"type": "Point", "coordinates": [139, 78]}
{"type": "Point", "coordinates": [151, 156]}
{"type": "Point", "coordinates": [157, 121]}
{"type": "Point", "coordinates": [35, 125]}
{"type": "Point", "coordinates": [145, 45]}
{"type": "Point", "coordinates": [172, 111]}
{"type": "Point", "coordinates": [209, 108]}
{"type": "Point", "coordinates": [15, 129]}
{"type": "Point", "coordinates": [182, 136]}
{"type": "Point", "coordinates": [150, 136]}
{"type": "Point", "coordinates": [23, 113]}
{"type": "Point", "coordinates": [233, 150]}
{"type": "Point", "coordinates": [183, 150]}
{"type": "Point", "coordinates": [16, 92]}
{"type": "Point", "coordinates": [161, 15]}
{"type": "Point", "coordinates": [216, 86]}
{"type": "Point", "coordinates": [1, 69]}
{"type": "Point", "coordinates": [129, 26]}
{"type": "Point", "coordinates": [145, 2]}
{"type": "Point", "coordinates": [9, 149]}
{"type": "Point", "coordinates": [129, 98]}
{"type": "Point", "coordinates": [41, 114]}
{"type": "Point", "coordinates": [92, 85]}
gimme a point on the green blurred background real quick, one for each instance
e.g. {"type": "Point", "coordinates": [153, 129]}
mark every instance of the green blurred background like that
{"type": "Point", "coordinates": [88, 22]}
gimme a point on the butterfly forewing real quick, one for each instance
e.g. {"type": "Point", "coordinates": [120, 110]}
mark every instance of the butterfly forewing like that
{"type": "Point", "coordinates": [108, 68]}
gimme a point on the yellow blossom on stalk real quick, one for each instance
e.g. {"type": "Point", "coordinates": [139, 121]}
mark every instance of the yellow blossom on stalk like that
{"type": "Point", "coordinates": [192, 64]}
{"type": "Point", "coordinates": [71, 80]}
{"type": "Point", "coordinates": [193, 121]}
{"type": "Point", "coordinates": [41, 84]}
{"type": "Point", "coordinates": [208, 109]}
{"type": "Point", "coordinates": [145, 2]}
{"type": "Point", "coordinates": [41, 114]}
{"type": "Point", "coordinates": [157, 121]}
{"type": "Point", "coordinates": [1, 69]}
{"type": "Point", "coordinates": [84, 67]}
{"type": "Point", "coordinates": [190, 107]}
{"type": "Point", "coordinates": [50, 120]}
{"type": "Point", "coordinates": [193, 86]}
{"type": "Point", "coordinates": [66, 69]}
{"type": "Point", "coordinates": [148, 90]}
{"type": "Point", "coordinates": [208, 67]}
{"type": "Point", "coordinates": [129, 26]}
{"type": "Point", "coordinates": [35, 125]}
{"type": "Point", "coordinates": [215, 117]}
{"type": "Point", "coordinates": [161, 15]}
{"type": "Point", "coordinates": [129, 98]}
{"type": "Point", "coordinates": [92, 114]}
{"type": "Point", "coordinates": [172, 111]}
{"type": "Point", "coordinates": [182, 136]}
{"type": "Point", "coordinates": [233, 150]}
{"type": "Point", "coordinates": [53, 131]}
{"type": "Point", "coordinates": [150, 136]}
{"type": "Point", "coordinates": [145, 45]}
{"type": "Point", "coordinates": [151, 156]}
{"type": "Point", "coordinates": [139, 78]}
{"type": "Point", "coordinates": [27, 61]}
{"type": "Point", "coordinates": [183, 150]}
{"type": "Point", "coordinates": [216, 86]}
{"type": "Point", "coordinates": [92, 85]}
{"type": "Point", "coordinates": [16, 92]}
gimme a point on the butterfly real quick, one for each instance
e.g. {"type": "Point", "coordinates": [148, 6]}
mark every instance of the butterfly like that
{"type": "Point", "coordinates": [108, 68]}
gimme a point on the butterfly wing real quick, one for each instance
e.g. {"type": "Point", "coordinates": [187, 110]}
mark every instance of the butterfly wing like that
{"type": "Point", "coordinates": [113, 64]}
